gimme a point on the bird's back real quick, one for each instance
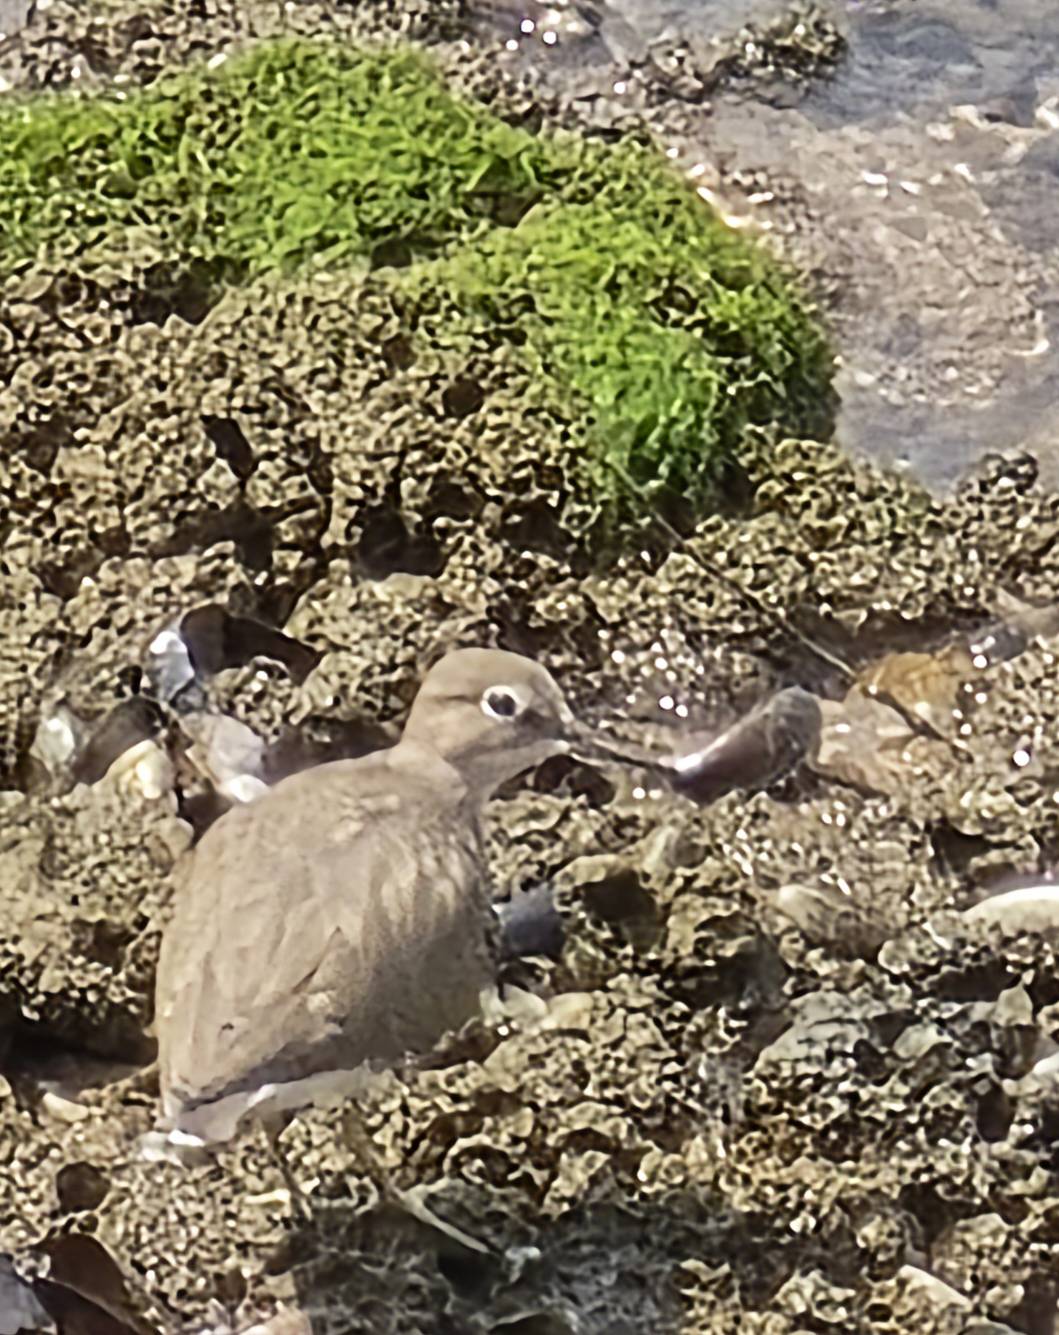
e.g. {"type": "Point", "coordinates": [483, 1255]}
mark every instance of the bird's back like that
{"type": "Point", "coordinates": [341, 918]}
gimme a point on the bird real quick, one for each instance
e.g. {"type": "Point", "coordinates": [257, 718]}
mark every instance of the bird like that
{"type": "Point", "coordinates": [341, 923]}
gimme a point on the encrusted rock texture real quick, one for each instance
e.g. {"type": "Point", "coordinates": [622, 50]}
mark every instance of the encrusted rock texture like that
{"type": "Point", "coordinates": [743, 1123]}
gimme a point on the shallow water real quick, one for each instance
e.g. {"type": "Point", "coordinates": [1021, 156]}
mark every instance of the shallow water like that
{"type": "Point", "coordinates": [918, 183]}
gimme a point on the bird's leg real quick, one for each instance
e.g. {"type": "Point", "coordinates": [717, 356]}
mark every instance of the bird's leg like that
{"type": "Point", "coordinates": [273, 1128]}
{"type": "Point", "coordinates": [413, 1201]}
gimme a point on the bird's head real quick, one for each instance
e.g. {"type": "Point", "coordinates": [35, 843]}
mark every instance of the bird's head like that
{"type": "Point", "coordinates": [491, 715]}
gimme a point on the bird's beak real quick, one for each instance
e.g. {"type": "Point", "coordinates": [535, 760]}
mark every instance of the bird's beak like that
{"type": "Point", "coordinates": [586, 744]}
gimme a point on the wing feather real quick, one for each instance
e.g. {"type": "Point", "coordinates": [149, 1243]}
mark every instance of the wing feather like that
{"type": "Point", "coordinates": [308, 927]}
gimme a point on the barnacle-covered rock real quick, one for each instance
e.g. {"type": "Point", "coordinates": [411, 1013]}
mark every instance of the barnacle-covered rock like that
{"type": "Point", "coordinates": [778, 1065]}
{"type": "Point", "coordinates": [84, 877]}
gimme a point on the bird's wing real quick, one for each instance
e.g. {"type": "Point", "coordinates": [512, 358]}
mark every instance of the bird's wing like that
{"type": "Point", "coordinates": [306, 926]}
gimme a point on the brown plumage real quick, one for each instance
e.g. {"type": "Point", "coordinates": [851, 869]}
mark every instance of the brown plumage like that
{"type": "Point", "coordinates": [342, 921]}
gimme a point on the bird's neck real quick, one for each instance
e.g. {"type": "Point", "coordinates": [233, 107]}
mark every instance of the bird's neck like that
{"type": "Point", "coordinates": [432, 770]}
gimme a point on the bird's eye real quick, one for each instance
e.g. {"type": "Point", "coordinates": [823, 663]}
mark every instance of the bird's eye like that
{"type": "Point", "coordinates": [501, 702]}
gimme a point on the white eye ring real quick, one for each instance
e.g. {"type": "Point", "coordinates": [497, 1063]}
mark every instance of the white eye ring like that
{"type": "Point", "coordinates": [502, 702]}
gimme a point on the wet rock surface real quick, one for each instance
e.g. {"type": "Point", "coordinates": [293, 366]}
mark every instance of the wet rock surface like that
{"type": "Point", "coordinates": [900, 148]}
{"type": "Point", "coordinates": [786, 1082]}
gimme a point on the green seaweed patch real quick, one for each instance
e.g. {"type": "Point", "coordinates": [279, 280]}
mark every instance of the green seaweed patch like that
{"type": "Point", "coordinates": [665, 333]}
{"type": "Point", "coordinates": [674, 332]}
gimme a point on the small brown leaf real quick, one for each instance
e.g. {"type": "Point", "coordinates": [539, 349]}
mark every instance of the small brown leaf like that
{"type": "Point", "coordinates": [924, 685]}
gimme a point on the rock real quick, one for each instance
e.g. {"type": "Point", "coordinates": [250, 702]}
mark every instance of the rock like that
{"type": "Point", "coordinates": [754, 752]}
{"type": "Point", "coordinates": [1033, 908]}
{"type": "Point", "coordinates": [20, 1312]}
{"type": "Point", "coordinates": [829, 915]}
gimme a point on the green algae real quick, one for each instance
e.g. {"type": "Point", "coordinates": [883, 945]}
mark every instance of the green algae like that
{"type": "Point", "coordinates": [675, 334]}
{"type": "Point", "coordinates": [662, 332]}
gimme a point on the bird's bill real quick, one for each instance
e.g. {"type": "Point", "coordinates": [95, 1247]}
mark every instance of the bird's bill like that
{"type": "Point", "coordinates": [590, 746]}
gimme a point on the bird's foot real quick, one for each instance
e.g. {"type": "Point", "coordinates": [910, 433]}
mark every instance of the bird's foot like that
{"type": "Point", "coordinates": [414, 1202]}
{"type": "Point", "coordinates": [299, 1202]}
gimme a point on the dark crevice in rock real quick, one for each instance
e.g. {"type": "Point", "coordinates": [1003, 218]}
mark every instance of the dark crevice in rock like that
{"type": "Point", "coordinates": [217, 640]}
{"type": "Point", "coordinates": [889, 1026]}
{"type": "Point", "coordinates": [954, 850]}
{"type": "Point", "coordinates": [318, 741]}
{"type": "Point", "coordinates": [271, 603]}
{"type": "Point", "coordinates": [995, 1114]}
{"type": "Point", "coordinates": [980, 982]}
{"type": "Point", "coordinates": [275, 387]}
{"type": "Point", "coordinates": [933, 1212]}
{"type": "Point", "coordinates": [63, 579]}
{"type": "Point", "coordinates": [251, 530]}
{"type": "Point", "coordinates": [462, 398]}
{"type": "Point", "coordinates": [386, 546]}
{"type": "Point", "coordinates": [99, 1048]}
{"type": "Point", "coordinates": [574, 778]}
{"type": "Point", "coordinates": [171, 289]}
{"type": "Point", "coordinates": [101, 941]}
{"type": "Point", "coordinates": [535, 527]}
{"type": "Point", "coordinates": [1036, 1313]}
{"type": "Point", "coordinates": [737, 967]}
{"type": "Point", "coordinates": [516, 632]}
{"type": "Point", "coordinates": [132, 721]}
{"type": "Point", "coordinates": [1044, 989]}
{"type": "Point", "coordinates": [506, 209]}
{"type": "Point", "coordinates": [472, 1276]}
{"type": "Point", "coordinates": [626, 907]}
{"type": "Point", "coordinates": [94, 51]}
{"type": "Point", "coordinates": [452, 498]}
{"type": "Point", "coordinates": [226, 436]}
{"type": "Point", "coordinates": [80, 1186]}
{"type": "Point", "coordinates": [394, 252]}
{"type": "Point", "coordinates": [39, 442]}
{"type": "Point", "coordinates": [115, 541]}
{"type": "Point", "coordinates": [398, 353]}
{"type": "Point", "coordinates": [200, 810]}
{"type": "Point", "coordinates": [671, 513]}
{"type": "Point", "coordinates": [321, 475]}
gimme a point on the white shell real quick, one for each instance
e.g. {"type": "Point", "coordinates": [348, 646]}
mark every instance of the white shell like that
{"type": "Point", "coordinates": [227, 753]}
{"type": "Point", "coordinates": [63, 1110]}
{"type": "Point", "coordinates": [943, 1294]}
{"type": "Point", "coordinates": [144, 769]}
{"type": "Point", "coordinates": [169, 668]}
{"type": "Point", "coordinates": [1034, 908]}
{"type": "Point", "coordinates": [56, 740]}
